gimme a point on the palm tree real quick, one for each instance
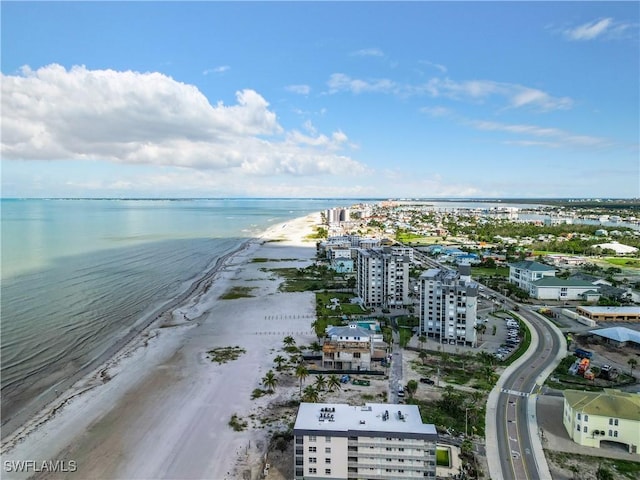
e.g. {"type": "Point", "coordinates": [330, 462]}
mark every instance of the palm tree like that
{"type": "Point", "coordinates": [316, 347]}
{"type": "Point", "coordinates": [270, 381]}
{"type": "Point", "coordinates": [310, 394]}
{"type": "Point", "coordinates": [486, 358]}
{"type": "Point", "coordinates": [289, 341]}
{"type": "Point", "coordinates": [333, 383]}
{"type": "Point", "coordinates": [632, 363]}
{"type": "Point", "coordinates": [490, 374]}
{"type": "Point", "coordinates": [480, 328]}
{"type": "Point", "coordinates": [301, 374]}
{"type": "Point", "coordinates": [321, 383]}
{"type": "Point", "coordinates": [279, 360]}
{"type": "Point", "coordinates": [423, 356]}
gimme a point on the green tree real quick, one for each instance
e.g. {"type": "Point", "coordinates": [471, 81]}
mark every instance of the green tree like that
{"type": "Point", "coordinates": [412, 386]}
{"type": "Point", "coordinates": [301, 374]}
{"type": "Point", "coordinates": [279, 360]}
{"type": "Point", "coordinates": [480, 328]}
{"type": "Point", "coordinates": [423, 356]}
{"type": "Point", "coordinates": [316, 347]}
{"type": "Point", "coordinates": [270, 381]}
{"type": "Point", "coordinates": [632, 362]}
{"type": "Point", "coordinates": [310, 394]}
{"type": "Point", "coordinates": [320, 383]}
{"type": "Point", "coordinates": [421, 339]}
{"type": "Point", "coordinates": [289, 341]}
{"type": "Point", "coordinates": [333, 383]}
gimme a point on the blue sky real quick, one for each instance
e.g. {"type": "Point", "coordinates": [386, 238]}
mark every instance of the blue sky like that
{"type": "Point", "coordinates": [320, 99]}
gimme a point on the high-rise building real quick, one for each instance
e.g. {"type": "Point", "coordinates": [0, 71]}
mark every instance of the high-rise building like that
{"type": "Point", "coordinates": [448, 305]}
{"type": "Point", "coordinates": [374, 441]}
{"type": "Point", "coordinates": [382, 277]}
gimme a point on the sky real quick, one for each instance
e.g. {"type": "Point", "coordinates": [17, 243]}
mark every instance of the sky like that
{"type": "Point", "coordinates": [320, 99]}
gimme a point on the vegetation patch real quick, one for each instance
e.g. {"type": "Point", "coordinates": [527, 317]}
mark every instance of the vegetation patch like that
{"type": "Point", "coordinates": [237, 292]}
{"type": "Point", "coordinates": [587, 466]}
{"type": "Point", "coordinates": [225, 354]}
{"type": "Point", "coordinates": [237, 423]}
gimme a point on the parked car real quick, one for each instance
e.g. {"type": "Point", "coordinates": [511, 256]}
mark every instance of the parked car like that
{"type": "Point", "coordinates": [428, 381]}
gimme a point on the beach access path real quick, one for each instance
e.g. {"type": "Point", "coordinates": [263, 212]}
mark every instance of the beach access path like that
{"type": "Point", "coordinates": [161, 407]}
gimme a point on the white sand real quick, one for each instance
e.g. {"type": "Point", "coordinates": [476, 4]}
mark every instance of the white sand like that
{"type": "Point", "coordinates": [165, 411]}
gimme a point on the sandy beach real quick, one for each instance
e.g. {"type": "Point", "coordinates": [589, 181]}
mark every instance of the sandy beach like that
{"type": "Point", "coordinates": [161, 407]}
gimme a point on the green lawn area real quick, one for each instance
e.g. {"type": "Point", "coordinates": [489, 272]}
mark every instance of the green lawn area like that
{"type": "Point", "coordinates": [488, 272]}
{"type": "Point", "coordinates": [624, 262]}
{"type": "Point", "coordinates": [323, 300]}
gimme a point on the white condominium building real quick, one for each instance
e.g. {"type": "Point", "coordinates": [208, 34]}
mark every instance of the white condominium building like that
{"type": "Point", "coordinates": [448, 305]}
{"type": "Point", "coordinates": [382, 278]}
{"type": "Point", "coordinates": [374, 441]}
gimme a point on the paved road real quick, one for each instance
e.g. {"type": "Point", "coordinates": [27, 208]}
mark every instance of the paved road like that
{"type": "Point", "coordinates": [518, 444]}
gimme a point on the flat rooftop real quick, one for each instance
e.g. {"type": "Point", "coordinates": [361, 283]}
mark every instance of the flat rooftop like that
{"type": "Point", "coordinates": [339, 419]}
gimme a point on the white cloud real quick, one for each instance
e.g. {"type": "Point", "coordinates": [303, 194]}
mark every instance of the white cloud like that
{"type": "Point", "coordinates": [368, 52]}
{"type": "Point", "coordinates": [341, 82]}
{"type": "Point", "coordinates": [299, 89]}
{"type": "Point", "coordinates": [560, 138]}
{"type": "Point", "coordinates": [220, 69]}
{"type": "Point", "coordinates": [437, 66]}
{"type": "Point", "coordinates": [436, 111]}
{"type": "Point", "coordinates": [590, 30]}
{"type": "Point", "coordinates": [149, 118]}
{"type": "Point", "coordinates": [515, 96]}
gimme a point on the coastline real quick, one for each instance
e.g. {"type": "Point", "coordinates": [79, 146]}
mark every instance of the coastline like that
{"type": "Point", "coordinates": [148, 410]}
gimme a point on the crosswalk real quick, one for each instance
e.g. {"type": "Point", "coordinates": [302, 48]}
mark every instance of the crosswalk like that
{"type": "Point", "coordinates": [515, 392]}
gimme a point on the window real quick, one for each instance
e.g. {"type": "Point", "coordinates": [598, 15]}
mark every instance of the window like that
{"type": "Point", "coordinates": [313, 470]}
{"type": "Point", "coordinates": [312, 449]}
{"type": "Point", "coordinates": [388, 459]}
{"type": "Point", "coordinates": [611, 421]}
{"type": "Point", "coordinates": [327, 460]}
{"type": "Point", "coordinates": [578, 416]}
{"type": "Point", "coordinates": [312, 438]}
{"type": "Point", "coordinates": [401, 449]}
{"type": "Point", "coordinates": [615, 433]}
{"type": "Point", "coordinates": [327, 439]}
{"type": "Point", "coordinates": [313, 460]}
{"type": "Point", "coordinates": [327, 471]}
{"type": "Point", "coordinates": [356, 354]}
{"type": "Point", "coordinates": [586, 418]}
{"type": "Point", "coordinates": [610, 433]}
{"type": "Point", "coordinates": [327, 450]}
{"type": "Point", "coordinates": [584, 429]}
{"type": "Point", "coordinates": [615, 422]}
{"type": "Point", "coordinates": [578, 427]}
{"type": "Point", "coordinates": [388, 449]}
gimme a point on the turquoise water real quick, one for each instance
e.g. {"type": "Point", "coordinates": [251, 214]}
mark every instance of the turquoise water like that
{"type": "Point", "coordinates": [77, 275]}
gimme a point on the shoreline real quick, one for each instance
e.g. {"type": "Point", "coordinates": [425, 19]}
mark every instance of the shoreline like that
{"type": "Point", "coordinates": [158, 360]}
{"type": "Point", "coordinates": [22, 417]}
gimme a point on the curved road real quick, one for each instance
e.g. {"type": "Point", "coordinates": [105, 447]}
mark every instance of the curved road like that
{"type": "Point", "coordinates": [517, 443]}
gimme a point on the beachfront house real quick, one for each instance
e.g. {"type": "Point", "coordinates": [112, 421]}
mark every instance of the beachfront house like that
{"type": "Point", "coordinates": [348, 348]}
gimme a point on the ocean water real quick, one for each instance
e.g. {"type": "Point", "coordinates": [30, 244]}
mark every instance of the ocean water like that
{"type": "Point", "coordinates": [79, 275]}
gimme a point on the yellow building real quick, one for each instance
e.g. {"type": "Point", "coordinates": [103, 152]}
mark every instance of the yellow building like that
{"type": "Point", "coordinates": [608, 416]}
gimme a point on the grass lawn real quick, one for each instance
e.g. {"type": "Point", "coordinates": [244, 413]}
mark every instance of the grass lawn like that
{"type": "Point", "coordinates": [488, 272]}
{"type": "Point", "coordinates": [624, 262]}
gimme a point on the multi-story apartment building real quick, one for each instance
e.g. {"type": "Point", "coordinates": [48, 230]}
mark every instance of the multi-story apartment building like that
{"type": "Point", "coordinates": [348, 348]}
{"type": "Point", "coordinates": [382, 278]}
{"type": "Point", "coordinates": [448, 305]}
{"type": "Point", "coordinates": [374, 441]}
{"type": "Point", "coordinates": [608, 416]}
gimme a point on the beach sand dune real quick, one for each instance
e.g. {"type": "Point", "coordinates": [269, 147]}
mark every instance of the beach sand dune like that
{"type": "Point", "coordinates": [165, 409]}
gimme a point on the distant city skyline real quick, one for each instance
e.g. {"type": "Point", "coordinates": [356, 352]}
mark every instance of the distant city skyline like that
{"type": "Point", "coordinates": [321, 99]}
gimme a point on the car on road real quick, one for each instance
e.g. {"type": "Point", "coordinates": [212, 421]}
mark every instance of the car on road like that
{"type": "Point", "coordinates": [400, 391]}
